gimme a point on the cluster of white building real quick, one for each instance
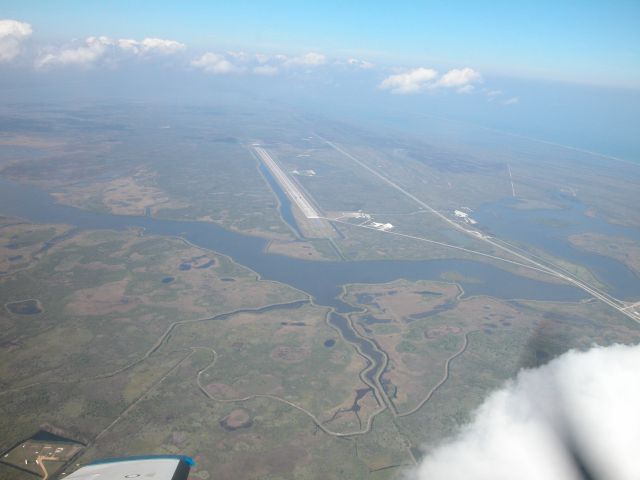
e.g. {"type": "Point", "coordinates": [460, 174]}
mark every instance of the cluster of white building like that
{"type": "Point", "coordinates": [381, 226]}
{"type": "Point", "coordinates": [384, 227]}
{"type": "Point", "coordinates": [464, 216]}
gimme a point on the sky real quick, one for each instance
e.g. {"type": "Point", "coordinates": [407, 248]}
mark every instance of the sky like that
{"type": "Point", "coordinates": [562, 71]}
{"type": "Point", "coordinates": [580, 41]}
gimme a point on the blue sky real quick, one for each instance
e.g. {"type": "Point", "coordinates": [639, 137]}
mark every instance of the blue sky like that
{"type": "Point", "coordinates": [562, 71]}
{"type": "Point", "coordinates": [580, 41]}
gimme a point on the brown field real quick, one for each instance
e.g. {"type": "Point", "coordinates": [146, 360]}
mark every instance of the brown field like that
{"type": "Point", "coordinates": [401, 299]}
{"type": "Point", "coordinates": [238, 418]}
{"type": "Point", "coordinates": [423, 324]}
{"type": "Point", "coordinates": [297, 249]}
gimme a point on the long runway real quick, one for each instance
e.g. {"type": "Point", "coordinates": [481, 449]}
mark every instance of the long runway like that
{"type": "Point", "coordinates": [289, 187]}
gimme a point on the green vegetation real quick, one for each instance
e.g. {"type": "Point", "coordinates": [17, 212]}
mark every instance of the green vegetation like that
{"type": "Point", "coordinates": [118, 352]}
{"type": "Point", "coordinates": [427, 332]}
{"type": "Point", "coordinates": [142, 344]}
{"type": "Point", "coordinates": [622, 249]}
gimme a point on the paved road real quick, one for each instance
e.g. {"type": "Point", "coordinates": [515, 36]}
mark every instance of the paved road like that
{"type": "Point", "coordinates": [604, 297]}
{"type": "Point", "coordinates": [290, 188]}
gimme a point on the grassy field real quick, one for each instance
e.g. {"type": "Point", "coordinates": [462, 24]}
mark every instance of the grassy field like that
{"type": "Point", "coordinates": [105, 305]}
{"type": "Point", "coordinates": [144, 344]}
{"type": "Point", "coordinates": [194, 163]}
{"type": "Point", "coordinates": [622, 249]}
{"type": "Point", "coordinates": [22, 244]}
{"type": "Point", "coordinates": [419, 325]}
{"type": "Point", "coordinates": [188, 164]}
{"type": "Point", "coordinates": [133, 341]}
{"type": "Point", "coordinates": [137, 344]}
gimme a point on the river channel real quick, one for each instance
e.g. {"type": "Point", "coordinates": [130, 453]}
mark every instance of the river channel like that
{"type": "Point", "coordinates": [548, 230]}
{"type": "Point", "coordinates": [322, 280]}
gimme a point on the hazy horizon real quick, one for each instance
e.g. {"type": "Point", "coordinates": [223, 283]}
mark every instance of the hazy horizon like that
{"type": "Point", "coordinates": [422, 71]}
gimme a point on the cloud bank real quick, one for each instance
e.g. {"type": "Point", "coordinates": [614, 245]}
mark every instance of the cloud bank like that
{"type": "Point", "coordinates": [95, 49]}
{"type": "Point", "coordinates": [359, 63]}
{"type": "Point", "coordinates": [216, 64]}
{"type": "Point", "coordinates": [411, 81]}
{"type": "Point", "coordinates": [459, 77]}
{"type": "Point", "coordinates": [258, 64]}
{"type": "Point", "coordinates": [311, 59]}
{"type": "Point", "coordinates": [517, 432]}
{"type": "Point", "coordinates": [423, 79]}
{"type": "Point", "coordinates": [12, 35]}
{"type": "Point", "coordinates": [105, 51]}
{"type": "Point", "coordinates": [155, 46]}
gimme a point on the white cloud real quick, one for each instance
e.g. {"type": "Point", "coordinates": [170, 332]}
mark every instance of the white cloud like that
{"type": "Point", "coordinates": [97, 48]}
{"type": "Point", "coordinates": [311, 59]}
{"type": "Point", "coordinates": [238, 55]}
{"type": "Point", "coordinates": [356, 62]}
{"type": "Point", "coordinates": [12, 34]}
{"type": "Point", "coordinates": [216, 64]}
{"type": "Point", "coordinates": [265, 70]}
{"type": "Point", "coordinates": [93, 49]}
{"type": "Point", "coordinates": [424, 79]}
{"type": "Point", "coordinates": [157, 46]}
{"type": "Point", "coordinates": [459, 77]}
{"type": "Point", "coordinates": [411, 81]}
{"type": "Point", "coordinates": [258, 63]}
{"type": "Point", "coordinates": [500, 97]}
{"type": "Point", "coordinates": [517, 432]}
{"type": "Point", "coordinates": [262, 58]}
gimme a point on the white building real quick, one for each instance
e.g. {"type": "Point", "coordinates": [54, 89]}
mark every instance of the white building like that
{"type": "Point", "coordinates": [382, 226]}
